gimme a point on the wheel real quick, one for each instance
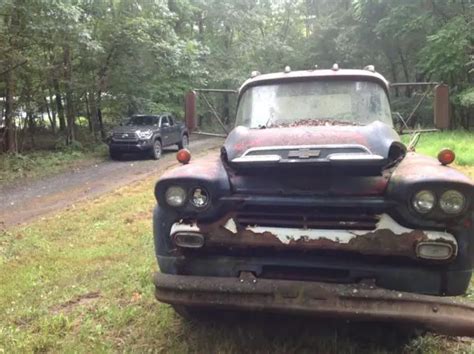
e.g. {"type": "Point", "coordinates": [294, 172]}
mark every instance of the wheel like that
{"type": "Point", "coordinates": [184, 142]}
{"type": "Point", "coordinates": [156, 150]}
{"type": "Point", "coordinates": [114, 155]}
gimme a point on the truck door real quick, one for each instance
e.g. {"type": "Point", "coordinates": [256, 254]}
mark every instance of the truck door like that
{"type": "Point", "coordinates": [166, 138]}
{"type": "Point", "coordinates": [175, 130]}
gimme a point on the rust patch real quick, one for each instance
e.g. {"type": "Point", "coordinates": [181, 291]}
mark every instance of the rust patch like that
{"type": "Point", "coordinates": [384, 242]}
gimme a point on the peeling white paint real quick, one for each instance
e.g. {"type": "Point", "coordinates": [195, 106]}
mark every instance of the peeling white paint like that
{"type": "Point", "coordinates": [286, 235]}
{"type": "Point", "coordinates": [231, 226]}
{"type": "Point", "coordinates": [341, 236]}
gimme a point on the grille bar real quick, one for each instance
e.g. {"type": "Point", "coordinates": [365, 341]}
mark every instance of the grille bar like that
{"type": "Point", "coordinates": [124, 136]}
{"type": "Point", "coordinates": [309, 221]}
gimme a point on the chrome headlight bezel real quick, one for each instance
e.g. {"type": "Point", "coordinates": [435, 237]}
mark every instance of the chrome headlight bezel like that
{"type": "Point", "coordinates": [444, 203]}
{"type": "Point", "coordinates": [202, 193]}
{"type": "Point", "coordinates": [175, 196]}
{"type": "Point", "coordinates": [429, 201]}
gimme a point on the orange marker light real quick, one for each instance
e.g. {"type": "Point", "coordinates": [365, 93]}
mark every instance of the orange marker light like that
{"type": "Point", "coordinates": [183, 156]}
{"type": "Point", "coordinates": [446, 156]}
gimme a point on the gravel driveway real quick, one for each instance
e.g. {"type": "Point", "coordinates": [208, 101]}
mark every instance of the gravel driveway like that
{"type": "Point", "coordinates": [24, 202]}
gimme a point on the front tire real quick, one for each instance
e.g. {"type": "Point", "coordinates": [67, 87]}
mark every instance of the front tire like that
{"type": "Point", "coordinates": [184, 144]}
{"type": "Point", "coordinates": [156, 150]}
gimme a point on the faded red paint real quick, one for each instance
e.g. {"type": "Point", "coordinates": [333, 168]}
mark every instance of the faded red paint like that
{"type": "Point", "coordinates": [415, 167]}
{"type": "Point", "coordinates": [301, 135]}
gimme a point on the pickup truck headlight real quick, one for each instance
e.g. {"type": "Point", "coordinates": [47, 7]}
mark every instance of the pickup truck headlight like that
{"type": "Point", "coordinates": [175, 196]}
{"type": "Point", "coordinates": [424, 201]}
{"type": "Point", "coordinates": [452, 202]}
{"type": "Point", "coordinates": [145, 134]}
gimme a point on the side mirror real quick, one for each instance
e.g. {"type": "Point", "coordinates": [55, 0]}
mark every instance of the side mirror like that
{"type": "Point", "coordinates": [165, 125]}
{"type": "Point", "coordinates": [441, 106]}
{"type": "Point", "coordinates": [190, 111]}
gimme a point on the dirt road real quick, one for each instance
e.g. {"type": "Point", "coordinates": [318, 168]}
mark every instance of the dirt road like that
{"type": "Point", "coordinates": [25, 202]}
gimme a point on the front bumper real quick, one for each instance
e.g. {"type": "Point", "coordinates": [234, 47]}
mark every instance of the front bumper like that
{"type": "Point", "coordinates": [343, 301]}
{"type": "Point", "coordinates": [135, 146]}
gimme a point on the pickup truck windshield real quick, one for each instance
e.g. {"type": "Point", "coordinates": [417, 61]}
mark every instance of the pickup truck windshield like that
{"type": "Point", "coordinates": [314, 103]}
{"type": "Point", "coordinates": [142, 120]}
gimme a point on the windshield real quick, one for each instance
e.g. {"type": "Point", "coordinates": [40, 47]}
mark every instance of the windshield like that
{"type": "Point", "coordinates": [142, 120]}
{"type": "Point", "coordinates": [314, 103]}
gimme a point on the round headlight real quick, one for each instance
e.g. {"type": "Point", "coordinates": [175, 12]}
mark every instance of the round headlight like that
{"type": "Point", "coordinates": [452, 202]}
{"type": "Point", "coordinates": [175, 196]}
{"type": "Point", "coordinates": [199, 198]}
{"type": "Point", "coordinates": [424, 201]}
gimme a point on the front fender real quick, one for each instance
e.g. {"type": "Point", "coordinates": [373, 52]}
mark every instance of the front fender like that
{"type": "Point", "coordinates": [208, 173]}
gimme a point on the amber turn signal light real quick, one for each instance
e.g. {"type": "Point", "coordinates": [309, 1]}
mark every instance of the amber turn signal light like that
{"type": "Point", "coordinates": [183, 156]}
{"type": "Point", "coordinates": [446, 156]}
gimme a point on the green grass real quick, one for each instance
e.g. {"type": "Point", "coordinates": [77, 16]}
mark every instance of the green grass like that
{"type": "Point", "coordinates": [80, 281]}
{"type": "Point", "coordinates": [461, 142]}
{"type": "Point", "coordinates": [14, 167]}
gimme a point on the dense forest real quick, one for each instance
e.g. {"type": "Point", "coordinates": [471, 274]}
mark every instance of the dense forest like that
{"type": "Point", "coordinates": [67, 65]}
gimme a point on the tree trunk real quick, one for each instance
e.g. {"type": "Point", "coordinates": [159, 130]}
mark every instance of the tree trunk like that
{"type": "Point", "coordinates": [99, 115]}
{"type": "Point", "coordinates": [10, 138]}
{"type": "Point", "coordinates": [70, 111]}
{"type": "Point", "coordinates": [93, 111]}
{"type": "Point", "coordinates": [52, 121]}
{"type": "Point", "coordinates": [226, 111]}
{"type": "Point", "coordinates": [393, 69]}
{"type": "Point", "coordinates": [405, 72]}
{"type": "Point", "coordinates": [90, 117]}
{"type": "Point", "coordinates": [59, 105]}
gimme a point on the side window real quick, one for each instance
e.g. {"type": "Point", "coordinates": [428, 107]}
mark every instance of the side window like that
{"type": "Point", "coordinates": [171, 120]}
{"type": "Point", "coordinates": [164, 121]}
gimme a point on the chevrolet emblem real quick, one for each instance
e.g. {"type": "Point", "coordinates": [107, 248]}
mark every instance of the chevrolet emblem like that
{"type": "Point", "coordinates": [125, 135]}
{"type": "Point", "coordinates": [303, 153]}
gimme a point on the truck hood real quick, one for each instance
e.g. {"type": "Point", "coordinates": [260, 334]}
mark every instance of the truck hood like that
{"type": "Point", "coordinates": [132, 128]}
{"type": "Point", "coordinates": [312, 144]}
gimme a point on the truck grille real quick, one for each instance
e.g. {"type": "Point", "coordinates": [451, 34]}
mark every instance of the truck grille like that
{"type": "Point", "coordinates": [310, 219]}
{"type": "Point", "coordinates": [124, 137]}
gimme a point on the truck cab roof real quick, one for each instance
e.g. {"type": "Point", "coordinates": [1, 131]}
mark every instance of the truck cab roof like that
{"type": "Point", "coordinates": [301, 75]}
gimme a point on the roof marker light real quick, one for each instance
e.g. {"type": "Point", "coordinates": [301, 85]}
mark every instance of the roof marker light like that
{"type": "Point", "coordinates": [370, 68]}
{"type": "Point", "coordinates": [446, 156]}
{"type": "Point", "coordinates": [254, 73]}
{"type": "Point", "coordinates": [287, 69]}
{"type": "Point", "coordinates": [335, 67]}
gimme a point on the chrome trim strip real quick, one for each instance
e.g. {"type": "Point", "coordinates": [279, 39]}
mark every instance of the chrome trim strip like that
{"type": "Point", "coordinates": [353, 157]}
{"type": "Point", "coordinates": [293, 147]}
{"type": "Point", "coordinates": [257, 159]}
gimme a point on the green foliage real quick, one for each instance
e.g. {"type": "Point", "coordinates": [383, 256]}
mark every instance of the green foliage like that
{"type": "Point", "coordinates": [459, 141]}
{"type": "Point", "coordinates": [445, 54]}
{"type": "Point", "coordinates": [466, 98]}
{"type": "Point", "coordinates": [123, 57]}
{"type": "Point", "coordinates": [41, 163]}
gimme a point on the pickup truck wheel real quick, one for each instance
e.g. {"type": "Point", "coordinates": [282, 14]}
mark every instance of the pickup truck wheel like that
{"type": "Point", "coordinates": [115, 155]}
{"type": "Point", "coordinates": [184, 142]}
{"type": "Point", "coordinates": [156, 150]}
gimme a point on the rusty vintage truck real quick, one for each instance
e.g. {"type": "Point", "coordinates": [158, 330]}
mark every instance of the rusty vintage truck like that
{"type": "Point", "coordinates": [314, 205]}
